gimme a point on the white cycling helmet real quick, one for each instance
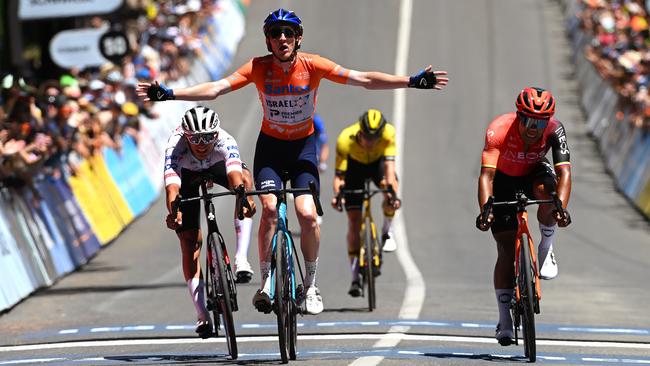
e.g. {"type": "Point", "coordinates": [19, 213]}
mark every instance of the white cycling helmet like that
{"type": "Point", "coordinates": [200, 120]}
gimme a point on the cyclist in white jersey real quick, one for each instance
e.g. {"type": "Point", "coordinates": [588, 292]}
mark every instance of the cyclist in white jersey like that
{"type": "Point", "coordinates": [199, 145]}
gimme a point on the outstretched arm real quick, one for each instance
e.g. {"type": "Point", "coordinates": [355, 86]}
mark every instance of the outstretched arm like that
{"type": "Point", "coordinates": [204, 91]}
{"type": "Point", "coordinates": [425, 79]}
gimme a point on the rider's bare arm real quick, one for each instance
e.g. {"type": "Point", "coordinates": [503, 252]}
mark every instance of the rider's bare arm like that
{"type": "Point", "coordinates": [171, 192]}
{"type": "Point", "coordinates": [485, 185]}
{"type": "Point", "coordinates": [204, 91]}
{"type": "Point", "coordinates": [377, 80]}
{"type": "Point", "coordinates": [564, 183]}
{"type": "Point", "coordinates": [391, 177]}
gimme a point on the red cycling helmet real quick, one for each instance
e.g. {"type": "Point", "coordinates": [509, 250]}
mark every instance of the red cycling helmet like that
{"type": "Point", "coordinates": [536, 103]}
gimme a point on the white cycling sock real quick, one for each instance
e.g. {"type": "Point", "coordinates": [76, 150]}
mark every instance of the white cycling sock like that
{"type": "Point", "coordinates": [504, 297]}
{"type": "Point", "coordinates": [310, 276]}
{"type": "Point", "coordinates": [196, 287]}
{"type": "Point", "coordinates": [546, 243]}
{"type": "Point", "coordinates": [387, 224]}
{"type": "Point", "coordinates": [354, 266]}
{"type": "Point", "coordinates": [243, 231]}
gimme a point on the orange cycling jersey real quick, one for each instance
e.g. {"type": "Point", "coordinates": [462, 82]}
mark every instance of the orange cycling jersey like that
{"type": "Point", "coordinates": [288, 99]}
{"type": "Point", "coordinates": [504, 149]}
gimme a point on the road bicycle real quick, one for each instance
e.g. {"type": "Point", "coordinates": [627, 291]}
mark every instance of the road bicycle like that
{"type": "Point", "coordinates": [370, 258]}
{"type": "Point", "coordinates": [528, 292]}
{"type": "Point", "coordinates": [221, 292]}
{"type": "Point", "coordinates": [286, 295]}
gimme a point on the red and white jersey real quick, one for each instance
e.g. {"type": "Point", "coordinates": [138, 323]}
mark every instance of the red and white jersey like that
{"type": "Point", "coordinates": [505, 150]}
{"type": "Point", "coordinates": [178, 156]}
{"type": "Point", "coordinates": [288, 99]}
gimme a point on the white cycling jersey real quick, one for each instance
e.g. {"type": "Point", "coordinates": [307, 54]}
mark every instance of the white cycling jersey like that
{"type": "Point", "coordinates": [178, 156]}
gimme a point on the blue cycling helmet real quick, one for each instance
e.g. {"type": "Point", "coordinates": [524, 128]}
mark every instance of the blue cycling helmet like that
{"type": "Point", "coordinates": [283, 16]}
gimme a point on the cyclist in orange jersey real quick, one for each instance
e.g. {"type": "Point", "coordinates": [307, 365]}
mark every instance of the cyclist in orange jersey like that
{"type": "Point", "coordinates": [514, 160]}
{"type": "Point", "coordinates": [287, 83]}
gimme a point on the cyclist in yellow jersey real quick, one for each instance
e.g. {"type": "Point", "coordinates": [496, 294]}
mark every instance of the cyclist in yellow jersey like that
{"type": "Point", "coordinates": [366, 149]}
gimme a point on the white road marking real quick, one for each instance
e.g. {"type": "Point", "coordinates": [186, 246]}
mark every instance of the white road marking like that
{"type": "Point", "coordinates": [30, 361]}
{"type": "Point", "coordinates": [415, 289]}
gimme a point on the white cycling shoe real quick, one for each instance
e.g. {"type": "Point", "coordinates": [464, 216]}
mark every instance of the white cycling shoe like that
{"type": "Point", "coordinates": [548, 268]}
{"type": "Point", "coordinates": [313, 301]}
{"type": "Point", "coordinates": [389, 243]}
{"type": "Point", "coordinates": [243, 271]}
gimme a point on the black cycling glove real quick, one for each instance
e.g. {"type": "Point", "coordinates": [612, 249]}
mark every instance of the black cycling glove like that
{"type": "Point", "coordinates": [160, 92]}
{"type": "Point", "coordinates": [423, 80]}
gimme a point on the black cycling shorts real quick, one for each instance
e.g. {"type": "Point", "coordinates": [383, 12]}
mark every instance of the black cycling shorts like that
{"type": "Point", "coordinates": [190, 183]}
{"type": "Point", "coordinates": [505, 187]}
{"type": "Point", "coordinates": [355, 177]}
{"type": "Point", "coordinates": [297, 158]}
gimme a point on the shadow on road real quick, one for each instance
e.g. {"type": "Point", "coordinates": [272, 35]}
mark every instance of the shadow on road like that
{"type": "Point", "coordinates": [484, 357]}
{"type": "Point", "coordinates": [346, 310]}
{"type": "Point", "coordinates": [221, 359]}
{"type": "Point", "coordinates": [87, 289]}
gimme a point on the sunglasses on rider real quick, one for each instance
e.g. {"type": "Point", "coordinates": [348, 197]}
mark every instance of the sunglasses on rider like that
{"type": "Point", "coordinates": [202, 138]}
{"type": "Point", "coordinates": [276, 32]}
{"type": "Point", "coordinates": [533, 123]}
{"type": "Point", "coordinates": [369, 137]}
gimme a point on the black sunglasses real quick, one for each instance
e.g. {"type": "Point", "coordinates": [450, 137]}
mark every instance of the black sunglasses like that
{"type": "Point", "coordinates": [202, 138]}
{"type": "Point", "coordinates": [534, 123]}
{"type": "Point", "coordinates": [276, 32]}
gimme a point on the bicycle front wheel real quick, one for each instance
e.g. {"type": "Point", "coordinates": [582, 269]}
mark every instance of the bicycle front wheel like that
{"type": "Point", "coordinates": [369, 243]}
{"type": "Point", "coordinates": [224, 296]}
{"type": "Point", "coordinates": [526, 285]}
{"type": "Point", "coordinates": [291, 306]}
{"type": "Point", "coordinates": [279, 298]}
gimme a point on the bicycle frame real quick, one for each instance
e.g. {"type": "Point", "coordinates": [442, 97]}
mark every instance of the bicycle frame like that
{"type": "Point", "coordinates": [522, 228]}
{"type": "Point", "coordinates": [281, 228]}
{"type": "Point", "coordinates": [368, 219]}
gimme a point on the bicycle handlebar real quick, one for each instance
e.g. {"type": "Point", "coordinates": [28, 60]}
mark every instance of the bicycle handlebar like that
{"type": "Point", "coordinates": [361, 191]}
{"type": "Point", "coordinates": [521, 202]}
{"type": "Point", "coordinates": [278, 192]}
{"type": "Point", "coordinates": [176, 204]}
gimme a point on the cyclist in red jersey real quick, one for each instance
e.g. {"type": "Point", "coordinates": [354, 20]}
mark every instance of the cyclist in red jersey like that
{"type": "Point", "coordinates": [287, 83]}
{"type": "Point", "coordinates": [514, 160]}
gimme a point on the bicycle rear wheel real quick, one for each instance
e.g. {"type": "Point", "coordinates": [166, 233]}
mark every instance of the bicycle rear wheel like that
{"type": "Point", "coordinates": [279, 299]}
{"type": "Point", "coordinates": [526, 285]}
{"type": "Point", "coordinates": [370, 274]}
{"type": "Point", "coordinates": [224, 298]}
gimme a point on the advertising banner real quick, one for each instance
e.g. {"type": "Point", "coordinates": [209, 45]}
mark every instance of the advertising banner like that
{"type": "Point", "coordinates": [104, 179]}
{"type": "Point", "coordinates": [50, 233]}
{"type": "Point", "coordinates": [95, 203]}
{"type": "Point", "coordinates": [38, 9]}
{"type": "Point", "coordinates": [63, 222]}
{"type": "Point", "coordinates": [130, 176]}
{"type": "Point", "coordinates": [84, 235]}
{"type": "Point", "coordinates": [11, 265]}
{"type": "Point", "coordinates": [78, 48]}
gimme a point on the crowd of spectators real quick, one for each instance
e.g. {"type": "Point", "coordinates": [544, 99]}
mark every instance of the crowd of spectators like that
{"type": "Point", "coordinates": [50, 126]}
{"type": "Point", "coordinates": [619, 49]}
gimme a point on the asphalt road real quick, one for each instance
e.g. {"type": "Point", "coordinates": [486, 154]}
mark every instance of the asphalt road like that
{"type": "Point", "coordinates": [435, 302]}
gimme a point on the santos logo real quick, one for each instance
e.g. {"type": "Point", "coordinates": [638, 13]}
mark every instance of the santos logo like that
{"type": "Point", "coordinates": [285, 89]}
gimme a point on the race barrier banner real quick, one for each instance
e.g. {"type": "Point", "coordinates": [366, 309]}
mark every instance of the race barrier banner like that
{"type": "Point", "coordinates": [84, 236]}
{"type": "Point", "coordinates": [12, 265]}
{"type": "Point", "coordinates": [128, 172]}
{"type": "Point", "coordinates": [624, 146]}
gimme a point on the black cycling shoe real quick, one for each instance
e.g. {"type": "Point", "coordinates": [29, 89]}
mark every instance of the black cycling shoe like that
{"type": "Point", "coordinates": [262, 302]}
{"type": "Point", "coordinates": [203, 329]}
{"type": "Point", "coordinates": [243, 277]}
{"type": "Point", "coordinates": [505, 336]}
{"type": "Point", "coordinates": [356, 289]}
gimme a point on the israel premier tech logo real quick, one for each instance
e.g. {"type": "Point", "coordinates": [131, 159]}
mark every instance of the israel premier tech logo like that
{"type": "Point", "coordinates": [270, 89]}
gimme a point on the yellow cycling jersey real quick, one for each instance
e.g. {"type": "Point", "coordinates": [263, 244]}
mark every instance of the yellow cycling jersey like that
{"type": "Point", "coordinates": [348, 147]}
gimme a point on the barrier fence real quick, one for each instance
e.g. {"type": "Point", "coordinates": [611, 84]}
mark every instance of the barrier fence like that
{"type": "Point", "coordinates": [624, 147]}
{"type": "Point", "coordinates": [61, 224]}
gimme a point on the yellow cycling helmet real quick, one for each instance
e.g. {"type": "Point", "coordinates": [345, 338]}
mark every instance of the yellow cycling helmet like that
{"type": "Point", "coordinates": [372, 123]}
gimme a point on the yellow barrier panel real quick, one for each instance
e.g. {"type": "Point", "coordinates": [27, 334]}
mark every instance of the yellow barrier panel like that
{"type": "Point", "coordinates": [121, 207]}
{"type": "Point", "coordinates": [94, 203]}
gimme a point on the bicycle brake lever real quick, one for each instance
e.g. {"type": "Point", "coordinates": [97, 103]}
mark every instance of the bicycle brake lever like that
{"type": "Point", "coordinates": [314, 194]}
